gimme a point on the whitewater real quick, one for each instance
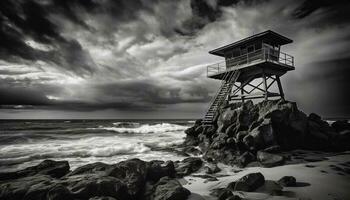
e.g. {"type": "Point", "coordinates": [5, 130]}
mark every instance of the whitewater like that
{"type": "Point", "coordinates": [26, 143]}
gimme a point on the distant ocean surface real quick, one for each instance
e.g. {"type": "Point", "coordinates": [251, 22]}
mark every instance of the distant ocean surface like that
{"type": "Point", "coordinates": [25, 143]}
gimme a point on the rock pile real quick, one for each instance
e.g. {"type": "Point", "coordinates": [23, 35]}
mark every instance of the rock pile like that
{"type": "Point", "coordinates": [132, 179]}
{"type": "Point", "coordinates": [251, 183]}
{"type": "Point", "coordinates": [243, 133]}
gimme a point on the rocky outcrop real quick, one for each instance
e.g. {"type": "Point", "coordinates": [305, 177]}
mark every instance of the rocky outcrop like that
{"type": "Point", "coordinates": [245, 133]}
{"type": "Point", "coordinates": [132, 179]}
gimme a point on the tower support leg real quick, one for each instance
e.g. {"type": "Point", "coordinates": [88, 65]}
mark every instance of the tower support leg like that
{"type": "Point", "coordinates": [242, 93]}
{"type": "Point", "coordinates": [265, 86]}
{"type": "Point", "coordinates": [280, 87]}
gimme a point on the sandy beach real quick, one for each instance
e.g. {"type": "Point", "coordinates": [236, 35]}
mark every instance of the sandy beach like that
{"type": "Point", "coordinates": [328, 179]}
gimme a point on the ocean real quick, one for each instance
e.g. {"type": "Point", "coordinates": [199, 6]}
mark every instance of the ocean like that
{"type": "Point", "coordinates": [24, 143]}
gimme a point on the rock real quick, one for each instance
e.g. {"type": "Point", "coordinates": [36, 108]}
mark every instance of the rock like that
{"type": "Point", "coordinates": [192, 131]}
{"type": "Point", "coordinates": [212, 169]}
{"type": "Point", "coordinates": [225, 194]}
{"type": "Point", "coordinates": [192, 151]}
{"type": "Point", "coordinates": [31, 187]}
{"type": "Point", "coordinates": [130, 179]}
{"type": "Point", "coordinates": [92, 168]}
{"type": "Point", "coordinates": [245, 159]}
{"type": "Point", "coordinates": [157, 171]}
{"type": "Point", "coordinates": [249, 141]}
{"type": "Point", "coordinates": [91, 185]}
{"type": "Point", "coordinates": [188, 166]}
{"type": "Point", "coordinates": [170, 189]}
{"type": "Point", "coordinates": [314, 117]}
{"type": "Point", "coordinates": [133, 173]}
{"type": "Point", "coordinates": [269, 126]}
{"type": "Point", "coordinates": [55, 169]}
{"type": "Point", "coordinates": [219, 141]}
{"type": "Point", "coordinates": [234, 197]}
{"type": "Point", "coordinates": [341, 125]}
{"type": "Point", "coordinates": [241, 134]}
{"type": "Point", "coordinates": [264, 135]}
{"type": "Point", "coordinates": [287, 181]}
{"type": "Point", "coordinates": [273, 149]}
{"type": "Point", "coordinates": [226, 119]}
{"type": "Point", "coordinates": [269, 160]}
{"type": "Point", "coordinates": [59, 192]}
{"type": "Point", "coordinates": [250, 182]}
{"type": "Point", "coordinates": [102, 198]}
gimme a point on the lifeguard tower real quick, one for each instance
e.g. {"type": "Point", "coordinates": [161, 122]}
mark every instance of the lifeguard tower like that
{"type": "Point", "coordinates": [252, 65]}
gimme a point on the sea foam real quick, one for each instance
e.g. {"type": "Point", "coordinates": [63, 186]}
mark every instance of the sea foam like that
{"type": "Point", "coordinates": [148, 128]}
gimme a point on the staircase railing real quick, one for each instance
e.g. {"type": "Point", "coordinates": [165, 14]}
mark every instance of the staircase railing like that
{"type": "Point", "coordinates": [220, 96]}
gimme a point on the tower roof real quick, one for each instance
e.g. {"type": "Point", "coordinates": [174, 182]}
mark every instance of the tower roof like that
{"type": "Point", "coordinates": [268, 35]}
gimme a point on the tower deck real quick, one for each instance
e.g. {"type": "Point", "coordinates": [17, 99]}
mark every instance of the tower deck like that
{"type": "Point", "coordinates": [269, 60]}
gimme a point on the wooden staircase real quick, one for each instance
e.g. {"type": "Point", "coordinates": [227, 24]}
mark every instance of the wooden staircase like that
{"type": "Point", "coordinates": [227, 82]}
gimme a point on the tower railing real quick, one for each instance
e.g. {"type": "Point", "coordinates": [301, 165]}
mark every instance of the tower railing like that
{"type": "Point", "coordinates": [263, 54]}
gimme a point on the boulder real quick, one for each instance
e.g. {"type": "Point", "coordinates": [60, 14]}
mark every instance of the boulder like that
{"type": "Point", "coordinates": [192, 150]}
{"type": "Point", "coordinates": [130, 179]}
{"type": "Point", "coordinates": [156, 170]}
{"type": "Point", "coordinates": [97, 168]}
{"type": "Point", "coordinates": [188, 166]}
{"type": "Point", "coordinates": [250, 182]}
{"type": "Point", "coordinates": [91, 185]}
{"type": "Point", "coordinates": [212, 169]}
{"type": "Point", "coordinates": [59, 192]}
{"type": "Point", "coordinates": [226, 118]}
{"type": "Point", "coordinates": [249, 142]}
{"type": "Point", "coordinates": [269, 159]}
{"type": "Point", "coordinates": [133, 173]}
{"type": "Point", "coordinates": [264, 135]}
{"type": "Point", "coordinates": [287, 181]}
{"type": "Point", "coordinates": [225, 194]}
{"type": "Point", "coordinates": [55, 169]}
{"type": "Point", "coordinates": [241, 134]}
{"type": "Point", "coordinates": [169, 189]}
{"type": "Point", "coordinates": [31, 187]}
{"type": "Point", "coordinates": [341, 125]}
{"type": "Point", "coordinates": [102, 198]}
{"type": "Point", "coordinates": [245, 159]}
{"type": "Point", "coordinates": [273, 149]}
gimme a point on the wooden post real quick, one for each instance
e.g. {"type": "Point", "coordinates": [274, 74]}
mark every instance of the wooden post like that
{"type": "Point", "coordinates": [265, 85]}
{"type": "Point", "coordinates": [242, 93]}
{"type": "Point", "coordinates": [280, 87]}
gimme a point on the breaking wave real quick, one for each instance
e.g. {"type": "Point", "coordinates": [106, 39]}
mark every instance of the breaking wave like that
{"type": "Point", "coordinates": [82, 143]}
{"type": "Point", "coordinates": [145, 128]}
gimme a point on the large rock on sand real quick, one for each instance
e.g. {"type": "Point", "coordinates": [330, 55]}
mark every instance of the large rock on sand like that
{"type": "Point", "coordinates": [269, 159]}
{"type": "Point", "coordinates": [250, 182]}
{"type": "Point", "coordinates": [288, 181]}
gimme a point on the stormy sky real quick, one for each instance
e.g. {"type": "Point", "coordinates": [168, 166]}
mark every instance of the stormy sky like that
{"type": "Point", "coordinates": [147, 58]}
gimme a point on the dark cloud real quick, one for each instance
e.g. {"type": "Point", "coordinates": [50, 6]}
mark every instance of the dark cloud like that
{"type": "Point", "coordinates": [22, 20]}
{"type": "Point", "coordinates": [154, 94]}
{"type": "Point", "coordinates": [310, 6]}
{"type": "Point", "coordinates": [22, 96]}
